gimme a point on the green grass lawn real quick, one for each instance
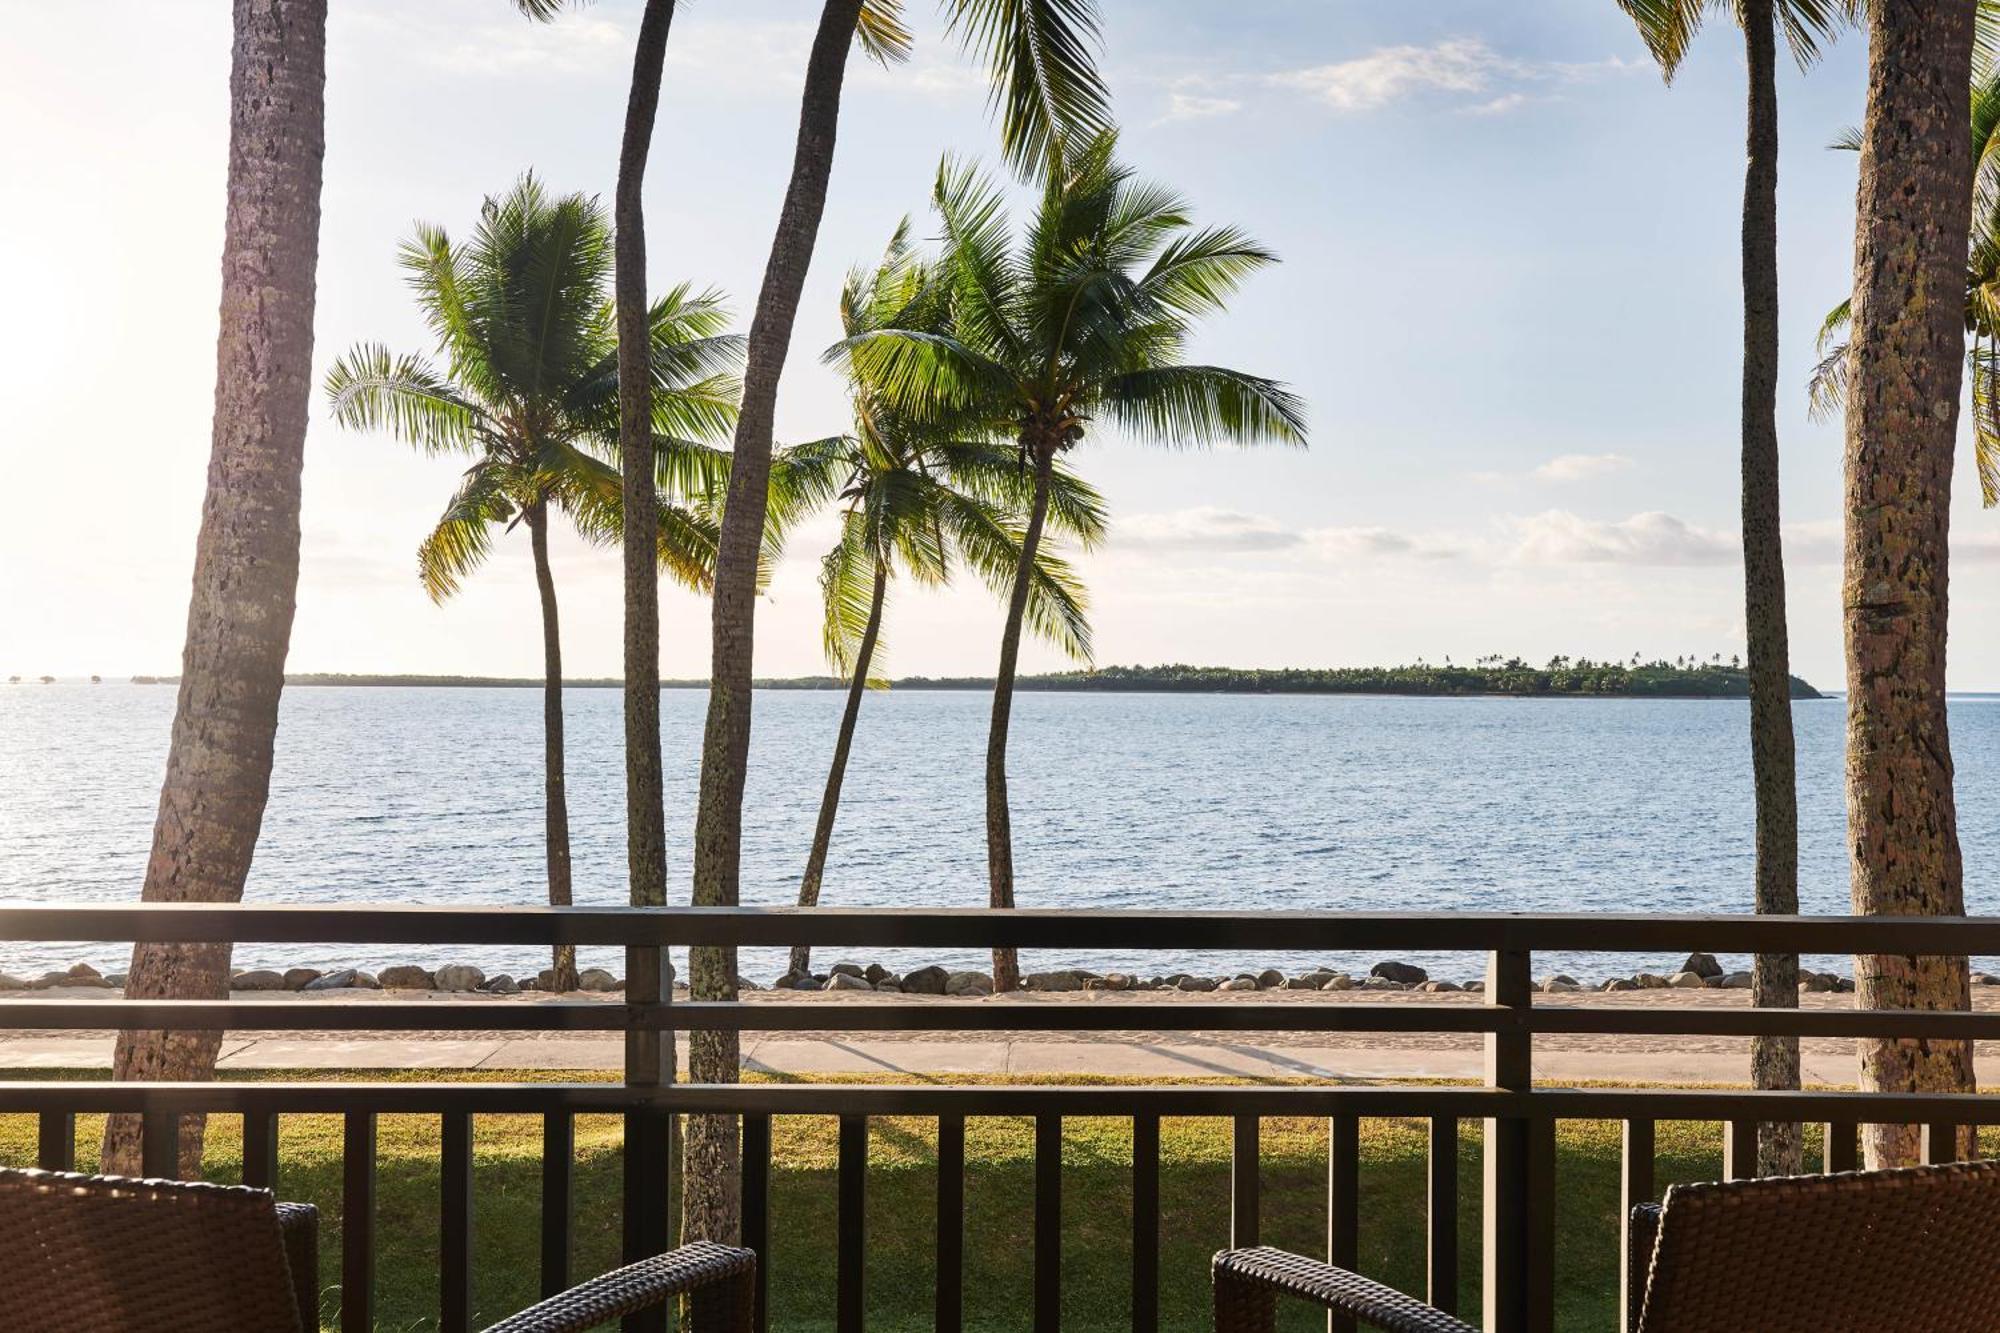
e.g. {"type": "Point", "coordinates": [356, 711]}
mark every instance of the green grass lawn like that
{"type": "Point", "coordinates": [1194, 1195]}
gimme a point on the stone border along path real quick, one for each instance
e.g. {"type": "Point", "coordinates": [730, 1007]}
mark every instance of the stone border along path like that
{"type": "Point", "coordinates": [1126, 1054]}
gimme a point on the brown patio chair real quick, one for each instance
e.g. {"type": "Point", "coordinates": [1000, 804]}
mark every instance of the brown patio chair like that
{"type": "Point", "coordinates": [1911, 1249]}
{"type": "Point", "coordinates": [97, 1253]}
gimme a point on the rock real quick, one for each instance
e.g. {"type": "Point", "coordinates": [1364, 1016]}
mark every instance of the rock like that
{"type": "Point", "coordinates": [298, 978]}
{"type": "Point", "coordinates": [366, 981]}
{"type": "Point", "coordinates": [10, 982]}
{"type": "Point", "coordinates": [791, 980]}
{"type": "Point", "coordinates": [1558, 985]}
{"type": "Point", "coordinates": [1270, 979]}
{"type": "Point", "coordinates": [1408, 974]}
{"type": "Point", "coordinates": [115, 980]}
{"type": "Point", "coordinates": [925, 980]}
{"type": "Point", "coordinates": [261, 979]}
{"type": "Point", "coordinates": [848, 981]}
{"type": "Point", "coordinates": [968, 983]}
{"type": "Point", "coordinates": [1619, 983]}
{"type": "Point", "coordinates": [1309, 981]}
{"type": "Point", "coordinates": [745, 984]}
{"type": "Point", "coordinates": [1439, 987]}
{"type": "Point", "coordinates": [875, 973]}
{"type": "Point", "coordinates": [1651, 981]}
{"type": "Point", "coordinates": [1736, 981]}
{"type": "Point", "coordinates": [1686, 981]}
{"type": "Point", "coordinates": [1475, 987]}
{"type": "Point", "coordinates": [1814, 983]}
{"type": "Point", "coordinates": [890, 986]}
{"type": "Point", "coordinates": [85, 970]}
{"type": "Point", "coordinates": [1384, 983]}
{"type": "Point", "coordinates": [48, 981]}
{"type": "Point", "coordinates": [406, 976]}
{"type": "Point", "coordinates": [847, 970]}
{"type": "Point", "coordinates": [1338, 981]}
{"type": "Point", "coordinates": [808, 982]}
{"type": "Point", "coordinates": [1198, 985]}
{"type": "Point", "coordinates": [597, 979]}
{"type": "Point", "coordinates": [1845, 985]}
{"type": "Point", "coordinates": [460, 977]}
{"type": "Point", "coordinates": [1051, 981]}
{"type": "Point", "coordinates": [1702, 965]}
{"type": "Point", "coordinates": [336, 980]}
{"type": "Point", "coordinates": [1115, 981]}
{"type": "Point", "coordinates": [1985, 979]}
{"type": "Point", "coordinates": [1239, 983]}
{"type": "Point", "coordinates": [501, 985]}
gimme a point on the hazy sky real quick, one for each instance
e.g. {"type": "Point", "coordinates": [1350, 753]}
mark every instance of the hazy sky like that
{"type": "Point", "coordinates": [1509, 296]}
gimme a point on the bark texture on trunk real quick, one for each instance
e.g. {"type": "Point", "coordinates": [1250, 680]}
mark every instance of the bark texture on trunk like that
{"type": "Point", "coordinates": [999, 824]}
{"type": "Point", "coordinates": [246, 566]}
{"type": "Point", "coordinates": [555, 787]}
{"type": "Point", "coordinates": [1902, 418]}
{"type": "Point", "coordinates": [645, 793]}
{"type": "Point", "coordinates": [712, 1203]}
{"type": "Point", "coordinates": [829, 802]}
{"type": "Point", "coordinates": [1774, 1061]}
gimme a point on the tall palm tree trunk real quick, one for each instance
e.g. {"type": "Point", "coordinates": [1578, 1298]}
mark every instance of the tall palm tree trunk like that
{"type": "Point", "coordinates": [246, 567]}
{"type": "Point", "coordinates": [645, 794]}
{"type": "Point", "coordinates": [999, 826]}
{"type": "Point", "coordinates": [712, 1206]}
{"type": "Point", "coordinates": [1902, 419]}
{"type": "Point", "coordinates": [555, 791]}
{"type": "Point", "coordinates": [829, 802]}
{"type": "Point", "coordinates": [1774, 1061]}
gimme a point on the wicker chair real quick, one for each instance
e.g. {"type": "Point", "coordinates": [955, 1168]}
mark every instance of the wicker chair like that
{"type": "Point", "coordinates": [1909, 1249]}
{"type": "Point", "coordinates": [96, 1253]}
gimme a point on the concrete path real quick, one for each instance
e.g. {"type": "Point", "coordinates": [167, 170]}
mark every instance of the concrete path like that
{"type": "Point", "coordinates": [1192, 1055]}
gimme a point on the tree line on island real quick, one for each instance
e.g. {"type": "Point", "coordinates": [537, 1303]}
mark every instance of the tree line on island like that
{"type": "Point", "coordinates": [976, 370]}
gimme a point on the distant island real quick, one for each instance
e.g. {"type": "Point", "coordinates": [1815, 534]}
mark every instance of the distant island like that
{"type": "Point", "coordinates": [1560, 677]}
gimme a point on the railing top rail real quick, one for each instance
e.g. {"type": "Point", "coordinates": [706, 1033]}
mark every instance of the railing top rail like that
{"type": "Point", "coordinates": [980, 928]}
{"type": "Point", "coordinates": [1559, 1103]}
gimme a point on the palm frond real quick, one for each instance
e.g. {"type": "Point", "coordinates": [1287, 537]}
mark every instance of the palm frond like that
{"type": "Point", "coordinates": [880, 30]}
{"type": "Point", "coordinates": [370, 389]}
{"type": "Point", "coordinates": [847, 592]}
{"type": "Point", "coordinates": [463, 537]}
{"type": "Point", "coordinates": [1057, 607]}
{"type": "Point", "coordinates": [1041, 58]}
{"type": "Point", "coordinates": [1202, 405]}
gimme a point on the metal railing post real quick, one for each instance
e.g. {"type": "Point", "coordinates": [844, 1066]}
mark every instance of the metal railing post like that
{"type": "Point", "coordinates": [648, 1131]}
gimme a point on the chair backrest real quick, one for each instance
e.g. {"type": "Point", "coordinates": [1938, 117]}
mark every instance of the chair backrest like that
{"type": "Point", "coordinates": [1910, 1249]}
{"type": "Point", "coordinates": [99, 1252]}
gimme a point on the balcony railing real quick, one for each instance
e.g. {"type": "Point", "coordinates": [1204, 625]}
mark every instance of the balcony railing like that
{"type": "Point", "coordinates": [1518, 1260]}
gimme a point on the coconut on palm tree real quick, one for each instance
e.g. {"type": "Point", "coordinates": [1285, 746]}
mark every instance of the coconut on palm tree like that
{"type": "Point", "coordinates": [918, 499]}
{"type": "Point", "coordinates": [1668, 28]}
{"type": "Point", "coordinates": [529, 391]}
{"type": "Point", "coordinates": [1085, 322]}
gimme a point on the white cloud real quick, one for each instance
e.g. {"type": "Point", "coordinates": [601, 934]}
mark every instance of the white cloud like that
{"type": "Point", "coordinates": [1461, 67]}
{"type": "Point", "coordinates": [1183, 106]}
{"type": "Point", "coordinates": [1558, 537]}
{"type": "Point", "coordinates": [1204, 528]}
{"type": "Point", "coordinates": [1581, 467]}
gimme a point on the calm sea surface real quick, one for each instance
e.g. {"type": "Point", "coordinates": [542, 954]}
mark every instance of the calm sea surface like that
{"type": "Point", "coordinates": [1135, 801]}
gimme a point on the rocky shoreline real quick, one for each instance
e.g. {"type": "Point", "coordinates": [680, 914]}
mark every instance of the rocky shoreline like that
{"type": "Point", "coordinates": [1700, 972]}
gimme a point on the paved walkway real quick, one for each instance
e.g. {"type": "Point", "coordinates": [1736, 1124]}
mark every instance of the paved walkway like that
{"type": "Point", "coordinates": [1192, 1055]}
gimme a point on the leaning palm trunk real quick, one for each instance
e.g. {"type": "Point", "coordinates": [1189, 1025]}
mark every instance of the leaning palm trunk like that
{"type": "Point", "coordinates": [1774, 1061]}
{"type": "Point", "coordinates": [645, 795]}
{"type": "Point", "coordinates": [711, 1199]}
{"type": "Point", "coordinates": [999, 827]}
{"type": "Point", "coordinates": [555, 795]}
{"type": "Point", "coordinates": [1908, 351]}
{"type": "Point", "coordinates": [246, 567]}
{"type": "Point", "coordinates": [829, 802]}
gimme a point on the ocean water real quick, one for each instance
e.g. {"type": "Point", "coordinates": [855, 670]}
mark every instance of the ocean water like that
{"type": "Point", "coordinates": [421, 795]}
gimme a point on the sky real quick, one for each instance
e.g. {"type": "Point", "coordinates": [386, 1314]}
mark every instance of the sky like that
{"type": "Point", "coordinates": [1509, 297]}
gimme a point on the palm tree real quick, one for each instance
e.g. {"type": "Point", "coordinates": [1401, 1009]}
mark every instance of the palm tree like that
{"type": "Point", "coordinates": [1668, 26]}
{"type": "Point", "coordinates": [1087, 319]}
{"type": "Point", "coordinates": [531, 393]}
{"type": "Point", "coordinates": [246, 569]}
{"type": "Point", "coordinates": [1902, 420]}
{"type": "Point", "coordinates": [1829, 382]}
{"type": "Point", "coordinates": [919, 498]}
{"type": "Point", "coordinates": [1038, 54]}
